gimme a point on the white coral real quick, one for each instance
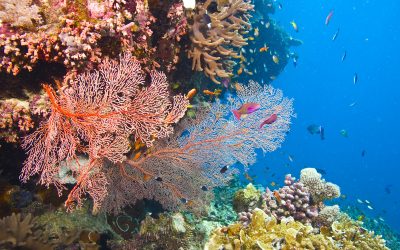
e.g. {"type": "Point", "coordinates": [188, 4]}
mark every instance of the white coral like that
{"type": "Point", "coordinates": [319, 189]}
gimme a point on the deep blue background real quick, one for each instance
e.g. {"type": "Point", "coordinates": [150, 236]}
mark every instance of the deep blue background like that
{"type": "Point", "coordinates": [323, 88]}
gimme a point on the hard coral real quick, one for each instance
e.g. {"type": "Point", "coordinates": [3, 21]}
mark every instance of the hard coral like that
{"type": "Point", "coordinates": [247, 198]}
{"type": "Point", "coordinates": [216, 37]}
{"type": "Point", "coordinates": [319, 189]}
{"type": "Point", "coordinates": [291, 200]}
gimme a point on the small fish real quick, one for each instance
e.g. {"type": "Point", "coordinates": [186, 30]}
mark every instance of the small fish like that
{"type": "Point", "coordinates": [248, 177]}
{"type": "Point", "coordinates": [343, 196]}
{"type": "Point", "coordinates": [251, 38]}
{"type": "Point", "coordinates": [207, 20]}
{"type": "Point", "coordinates": [322, 132]}
{"type": "Point", "coordinates": [344, 55]}
{"type": "Point", "coordinates": [388, 189]}
{"type": "Point", "coordinates": [369, 207]}
{"type": "Point", "coordinates": [256, 32]}
{"type": "Point", "coordinates": [360, 201]}
{"type": "Point", "coordinates": [224, 169]}
{"type": "Point", "coordinates": [367, 201]}
{"type": "Point", "coordinates": [240, 71]}
{"type": "Point", "coordinates": [294, 62]}
{"type": "Point", "coordinates": [280, 6]}
{"type": "Point", "coordinates": [335, 35]}
{"type": "Point", "coordinates": [381, 219]}
{"type": "Point", "coordinates": [273, 183]}
{"type": "Point", "coordinates": [267, 25]}
{"type": "Point", "coordinates": [275, 59]}
{"type": "Point", "coordinates": [246, 109]}
{"type": "Point", "coordinates": [264, 49]}
{"type": "Point", "coordinates": [361, 217]}
{"type": "Point", "coordinates": [290, 158]}
{"type": "Point", "coordinates": [204, 188]}
{"type": "Point", "coordinates": [225, 81]}
{"type": "Point", "coordinates": [363, 153]}
{"type": "Point", "coordinates": [137, 145]}
{"type": "Point", "coordinates": [355, 78]}
{"type": "Point", "coordinates": [277, 196]}
{"type": "Point", "coordinates": [251, 51]}
{"type": "Point", "coordinates": [344, 133]}
{"type": "Point", "coordinates": [158, 178]}
{"type": "Point", "coordinates": [137, 155]}
{"type": "Point", "coordinates": [146, 177]}
{"type": "Point", "coordinates": [191, 93]}
{"type": "Point", "coordinates": [294, 25]}
{"type": "Point", "coordinates": [184, 201]}
{"type": "Point", "coordinates": [269, 120]}
{"type": "Point", "coordinates": [328, 17]}
{"type": "Point", "coordinates": [216, 92]}
{"type": "Point", "coordinates": [175, 85]}
{"type": "Point", "coordinates": [352, 104]}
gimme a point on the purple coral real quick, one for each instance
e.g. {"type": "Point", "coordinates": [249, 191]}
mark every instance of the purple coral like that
{"type": "Point", "coordinates": [291, 200]}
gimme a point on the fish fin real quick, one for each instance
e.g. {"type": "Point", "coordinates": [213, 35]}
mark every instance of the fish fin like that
{"type": "Point", "coordinates": [236, 114]}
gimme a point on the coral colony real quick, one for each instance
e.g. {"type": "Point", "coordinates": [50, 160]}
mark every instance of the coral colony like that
{"type": "Point", "coordinates": [109, 101]}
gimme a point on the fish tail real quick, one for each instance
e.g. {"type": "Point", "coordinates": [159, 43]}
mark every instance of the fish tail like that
{"type": "Point", "coordinates": [236, 114]}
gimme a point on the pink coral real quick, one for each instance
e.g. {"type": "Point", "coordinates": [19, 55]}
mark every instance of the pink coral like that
{"type": "Point", "coordinates": [95, 115]}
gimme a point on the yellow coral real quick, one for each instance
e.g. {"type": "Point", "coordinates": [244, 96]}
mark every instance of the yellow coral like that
{"type": "Point", "coordinates": [265, 232]}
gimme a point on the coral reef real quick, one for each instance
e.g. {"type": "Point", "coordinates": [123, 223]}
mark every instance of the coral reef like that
{"type": "Point", "coordinates": [18, 231]}
{"type": "Point", "coordinates": [319, 189]}
{"type": "Point", "coordinates": [264, 232]}
{"type": "Point", "coordinates": [246, 198]}
{"type": "Point", "coordinates": [291, 200]}
{"type": "Point", "coordinates": [217, 37]}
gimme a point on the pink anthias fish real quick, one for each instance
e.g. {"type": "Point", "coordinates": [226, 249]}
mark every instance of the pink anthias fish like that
{"type": "Point", "coordinates": [269, 120]}
{"type": "Point", "coordinates": [246, 109]}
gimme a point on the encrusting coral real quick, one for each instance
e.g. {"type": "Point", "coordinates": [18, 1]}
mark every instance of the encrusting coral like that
{"type": "Point", "coordinates": [246, 198]}
{"type": "Point", "coordinates": [217, 37]}
{"type": "Point", "coordinates": [264, 232]}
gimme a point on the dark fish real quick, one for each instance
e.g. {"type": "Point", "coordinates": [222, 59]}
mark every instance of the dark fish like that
{"type": "Point", "coordinates": [207, 20]}
{"type": "Point", "coordinates": [344, 55]}
{"type": "Point", "coordinates": [204, 188]}
{"type": "Point", "coordinates": [321, 171]}
{"type": "Point", "coordinates": [313, 129]}
{"type": "Point", "coordinates": [355, 78]}
{"type": "Point", "coordinates": [322, 132]}
{"type": "Point", "coordinates": [335, 35]}
{"type": "Point", "coordinates": [388, 189]}
{"type": "Point", "coordinates": [294, 62]}
{"type": "Point", "coordinates": [363, 153]}
{"type": "Point", "coordinates": [224, 169]}
{"type": "Point", "coordinates": [158, 179]}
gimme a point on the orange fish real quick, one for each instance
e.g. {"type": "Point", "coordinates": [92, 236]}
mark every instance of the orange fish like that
{"type": "Point", "coordinates": [246, 109]}
{"type": "Point", "coordinates": [215, 93]}
{"type": "Point", "coordinates": [277, 196]}
{"type": "Point", "coordinates": [240, 71]}
{"type": "Point", "coordinates": [146, 177]}
{"type": "Point", "coordinates": [137, 155]}
{"type": "Point", "coordinates": [191, 93]}
{"type": "Point", "coordinates": [264, 49]}
{"type": "Point", "coordinates": [248, 177]}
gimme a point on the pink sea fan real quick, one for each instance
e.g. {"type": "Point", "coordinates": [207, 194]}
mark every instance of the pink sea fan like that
{"type": "Point", "coordinates": [95, 115]}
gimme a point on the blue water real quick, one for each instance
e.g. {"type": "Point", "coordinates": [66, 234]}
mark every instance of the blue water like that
{"type": "Point", "coordinates": [323, 89]}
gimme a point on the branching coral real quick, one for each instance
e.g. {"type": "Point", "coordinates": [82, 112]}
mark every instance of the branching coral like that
{"type": "Point", "coordinates": [217, 37]}
{"type": "Point", "coordinates": [319, 189]}
{"type": "Point", "coordinates": [95, 116]}
{"type": "Point", "coordinates": [183, 167]}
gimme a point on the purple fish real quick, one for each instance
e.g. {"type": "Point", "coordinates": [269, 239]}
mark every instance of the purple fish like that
{"type": "Point", "coordinates": [269, 120]}
{"type": "Point", "coordinates": [246, 109]}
